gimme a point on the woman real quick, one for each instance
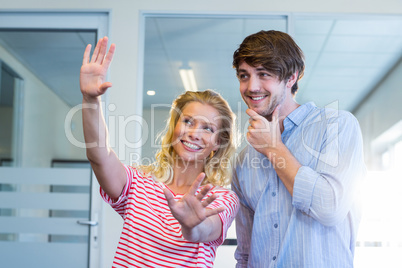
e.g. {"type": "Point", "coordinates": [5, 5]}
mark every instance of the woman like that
{"type": "Point", "coordinates": [170, 220]}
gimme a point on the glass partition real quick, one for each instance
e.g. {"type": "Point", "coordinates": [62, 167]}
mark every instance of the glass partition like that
{"type": "Point", "coordinates": [204, 45]}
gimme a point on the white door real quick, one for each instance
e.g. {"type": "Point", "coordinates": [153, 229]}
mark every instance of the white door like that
{"type": "Point", "coordinates": [49, 204]}
{"type": "Point", "coordinates": [40, 227]}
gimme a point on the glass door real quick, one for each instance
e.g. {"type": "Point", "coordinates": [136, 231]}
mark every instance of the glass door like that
{"type": "Point", "coordinates": [48, 213]}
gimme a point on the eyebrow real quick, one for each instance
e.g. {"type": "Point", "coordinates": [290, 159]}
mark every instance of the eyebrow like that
{"type": "Point", "coordinates": [261, 69]}
{"type": "Point", "coordinates": [212, 125]}
{"type": "Point", "coordinates": [241, 70]}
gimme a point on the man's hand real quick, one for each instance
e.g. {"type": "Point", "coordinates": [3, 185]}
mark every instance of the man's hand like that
{"type": "Point", "coordinates": [93, 72]}
{"type": "Point", "coordinates": [262, 134]}
{"type": "Point", "coordinates": [265, 137]}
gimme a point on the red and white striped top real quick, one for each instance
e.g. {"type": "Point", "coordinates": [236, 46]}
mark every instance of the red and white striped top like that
{"type": "Point", "coordinates": [151, 236]}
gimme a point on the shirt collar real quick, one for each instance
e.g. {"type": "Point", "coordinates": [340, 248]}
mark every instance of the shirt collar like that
{"type": "Point", "coordinates": [298, 115]}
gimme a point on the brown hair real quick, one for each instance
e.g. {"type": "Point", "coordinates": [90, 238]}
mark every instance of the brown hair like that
{"type": "Point", "coordinates": [275, 51]}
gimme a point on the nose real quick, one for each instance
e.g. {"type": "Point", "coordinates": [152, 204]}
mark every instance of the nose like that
{"type": "Point", "coordinates": [254, 84]}
{"type": "Point", "coordinates": [194, 132]}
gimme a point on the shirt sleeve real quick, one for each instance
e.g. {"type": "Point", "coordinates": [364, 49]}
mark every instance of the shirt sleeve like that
{"type": "Point", "coordinates": [229, 200]}
{"type": "Point", "coordinates": [244, 224]}
{"type": "Point", "coordinates": [119, 205]}
{"type": "Point", "coordinates": [326, 190]}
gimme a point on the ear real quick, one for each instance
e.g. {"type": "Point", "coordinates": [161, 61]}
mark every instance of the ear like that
{"type": "Point", "coordinates": [292, 80]}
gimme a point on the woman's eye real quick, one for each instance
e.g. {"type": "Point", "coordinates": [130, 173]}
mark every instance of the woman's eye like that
{"type": "Point", "coordinates": [187, 121]}
{"type": "Point", "coordinates": [209, 129]}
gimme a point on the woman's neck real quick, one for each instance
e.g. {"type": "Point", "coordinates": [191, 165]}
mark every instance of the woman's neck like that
{"type": "Point", "coordinates": [184, 174]}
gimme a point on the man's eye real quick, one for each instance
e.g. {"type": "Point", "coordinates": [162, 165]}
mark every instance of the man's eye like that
{"type": "Point", "coordinates": [242, 76]}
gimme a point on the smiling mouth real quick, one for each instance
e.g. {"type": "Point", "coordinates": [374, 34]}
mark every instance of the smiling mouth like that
{"type": "Point", "coordinates": [257, 98]}
{"type": "Point", "coordinates": [191, 146]}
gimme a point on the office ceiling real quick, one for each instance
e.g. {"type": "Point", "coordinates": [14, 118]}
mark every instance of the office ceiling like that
{"type": "Point", "coordinates": [55, 57]}
{"type": "Point", "coordinates": [345, 57]}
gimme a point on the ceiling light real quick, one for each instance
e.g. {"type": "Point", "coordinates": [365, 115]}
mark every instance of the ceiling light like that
{"type": "Point", "coordinates": [188, 79]}
{"type": "Point", "coordinates": [150, 92]}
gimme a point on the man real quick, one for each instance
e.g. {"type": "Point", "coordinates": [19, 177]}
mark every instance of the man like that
{"type": "Point", "coordinates": [297, 178]}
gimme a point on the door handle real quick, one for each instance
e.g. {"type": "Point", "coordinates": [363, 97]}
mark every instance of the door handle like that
{"type": "Point", "coordinates": [90, 223]}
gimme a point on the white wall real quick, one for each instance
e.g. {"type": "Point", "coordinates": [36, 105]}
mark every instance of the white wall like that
{"type": "Point", "coordinates": [125, 30]}
{"type": "Point", "coordinates": [381, 111]}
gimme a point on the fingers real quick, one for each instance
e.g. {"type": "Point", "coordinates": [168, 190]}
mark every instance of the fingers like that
{"type": "Point", "coordinates": [197, 182]}
{"type": "Point", "coordinates": [104, 87]}
{"type": "Point", "coordinates": [98, 55]}
{"type": "Point", "coordinates": [109, 56]}
{"type": "Point", "coordinates": [102, 50]}
{"type": "Point", "coordinates": [257, 122]}
{"type": "Point", "coordinates": [96, 51]}
{"type": "Point", "coordinates": [169, 197]}
{"type": "Point", "coordinates": [211, 212]}
{"type": "Point", "coordinates": [253, 114]}
{"type": "Point", "coordinates": [86, 54]}
{"type": "Point", "coordinates": [209, 200]}
{"type": "Point", "coordinates": [255, 119]}
{"type": "Point", "coordinates": [204, 191]}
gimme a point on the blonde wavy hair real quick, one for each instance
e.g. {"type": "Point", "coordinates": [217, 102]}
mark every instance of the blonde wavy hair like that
{"type": "Point", "coordinates": [218, 166]}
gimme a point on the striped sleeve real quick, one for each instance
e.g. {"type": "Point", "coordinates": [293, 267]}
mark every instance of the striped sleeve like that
{"type": "Point", "coordinates": [119, 205]}
{"type": "Point", "coordinates": [229, 200]}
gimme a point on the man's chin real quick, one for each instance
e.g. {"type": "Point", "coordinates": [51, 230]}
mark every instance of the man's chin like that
{"type": "Point", "coordinates": [267, 113]}
{"type": "Point", "coordinates": [259, 110]}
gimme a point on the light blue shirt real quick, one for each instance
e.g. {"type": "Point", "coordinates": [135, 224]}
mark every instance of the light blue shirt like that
{"type": "Point", "coordinates": [317, 227]}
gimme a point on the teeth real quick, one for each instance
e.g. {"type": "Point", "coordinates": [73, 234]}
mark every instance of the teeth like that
{"type": "Point", "coordinates": [192, 146]}
{"type": "Point", "coordinates": [257, 98]}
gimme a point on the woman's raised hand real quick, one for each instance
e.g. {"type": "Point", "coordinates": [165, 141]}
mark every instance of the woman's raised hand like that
{"type": "Point", "coordinates": [191, 209]}
{"type": "Point", "coordinates": [93, 70]}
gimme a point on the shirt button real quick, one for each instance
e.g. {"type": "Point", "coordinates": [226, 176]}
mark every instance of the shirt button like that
{"type": "Point", "coordinates": [274, 258]}
{"type": "Point", "coordinates": [273, 194]}
{"type": "Point", "coordinates": [276, 225]}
